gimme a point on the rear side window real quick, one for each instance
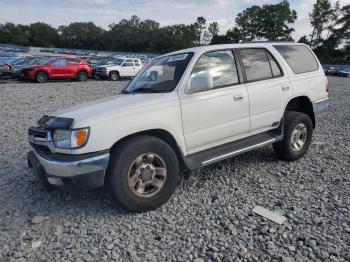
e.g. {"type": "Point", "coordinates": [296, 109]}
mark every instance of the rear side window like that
{"type": "Point", "coordinates": [276, 71]}
{"type": "Point", "coordinates": [298, 57]}
{"type": "Point", "coordinates": [259, 64]}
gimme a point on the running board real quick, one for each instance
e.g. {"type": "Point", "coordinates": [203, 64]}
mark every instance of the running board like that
{"type": "Point", "coordinates": [216, 154]}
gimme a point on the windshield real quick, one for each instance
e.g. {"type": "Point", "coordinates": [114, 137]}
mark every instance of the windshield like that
{"type": "Point", "coordinates": [161, 75]}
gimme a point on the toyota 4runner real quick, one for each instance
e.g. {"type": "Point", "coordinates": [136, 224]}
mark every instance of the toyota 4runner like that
{"type": "Point", "coordinates": [199, 106]}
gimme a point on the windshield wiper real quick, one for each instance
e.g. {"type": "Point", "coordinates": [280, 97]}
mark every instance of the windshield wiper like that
{"type": "Point", "coordinates": [124, 91]}
{"type": "Point", "coordinates": [146, 90]}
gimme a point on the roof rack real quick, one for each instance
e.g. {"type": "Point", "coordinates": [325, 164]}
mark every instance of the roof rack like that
{"type": "Point", "coordinates": [257, 42]}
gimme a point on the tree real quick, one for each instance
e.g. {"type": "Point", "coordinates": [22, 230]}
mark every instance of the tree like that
{"type": "Point", "coordinates": [14, 34]}
{"type": "Point", "coordinates": [83, 35]}
{"type": "Point", "coordinates": [249, 23]}
{"type": "Point", "coordinates": [231, 36]}
{"type": "Point", "coordinates": [213, 29]}
{"type": "Point", "coordinates": [200, 27]}
{"type": "Point", "coordinates": [275, 20]}
{"type": "Point", "coordinates": [43, 35]}
{"type": "Point", "coordinates": [319, 19]}
{"type": "Point", "coordinates": [304, 40]}
{"type": "Point", "coordinates": [269, 22]}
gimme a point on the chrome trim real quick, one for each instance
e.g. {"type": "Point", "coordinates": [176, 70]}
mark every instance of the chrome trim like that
{"type": "Point", "coordinates": [48, 141]}
{"type": "Point", "coordinates": [74, 168]}
{"type": "Point", "coordinates": [233, 153]}
{"type": "Point", "coordinates": [320, 105]}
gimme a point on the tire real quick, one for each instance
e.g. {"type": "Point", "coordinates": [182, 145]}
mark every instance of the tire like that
{"type": "Point", "coordinates": [95, 75]}
{"type": "Point", "coordinates": [129, 159]}
{"type": "Point", "coordinates": [114, 76]}
{"type": "Point", "coordinates": [82, 76]}
{"type": "Point", "coordinates": [295, 126]}
{"type": "Point", "coordinates": [41, 77]}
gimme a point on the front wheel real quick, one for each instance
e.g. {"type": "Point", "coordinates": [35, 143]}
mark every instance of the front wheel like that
{"type": "Point", "coordinates": [298, 131]}
{"type": "Point", "coordinates": [114, 76]}
{"type": "Point", "coordinates": [143, 173]}
{"type": "Point", "coordinates": [41, 77]}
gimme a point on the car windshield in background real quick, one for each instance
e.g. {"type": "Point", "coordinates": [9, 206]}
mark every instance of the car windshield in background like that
{"type": "Point", "coordinates": [161, 75]}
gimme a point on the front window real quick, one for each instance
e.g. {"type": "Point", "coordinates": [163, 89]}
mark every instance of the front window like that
{"type": "Point", "coordinates": [161, 75]}
{"type": "Point", "coordinates": [59, 63]}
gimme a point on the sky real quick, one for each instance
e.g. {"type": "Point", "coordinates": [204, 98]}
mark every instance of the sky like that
{"type": "Point", "coordinates": [167, 12]}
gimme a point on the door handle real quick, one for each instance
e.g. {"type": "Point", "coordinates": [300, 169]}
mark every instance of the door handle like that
{"type": "Point", "coordinates": [285, 88]}
{"type": "Point", "coordinates": [238, 98]}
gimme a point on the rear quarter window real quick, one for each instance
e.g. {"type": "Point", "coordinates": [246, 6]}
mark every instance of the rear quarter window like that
{"type": "Point", "coordinates": [298, 57]}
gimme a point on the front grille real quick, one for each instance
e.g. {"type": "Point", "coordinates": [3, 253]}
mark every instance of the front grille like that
{"type": "Point", "coordinates": [101, 69]}
{"type": "Point", "coordinates": [38, 132]}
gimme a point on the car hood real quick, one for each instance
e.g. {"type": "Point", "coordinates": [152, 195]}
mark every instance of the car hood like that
{"type": "Point", "coordinates": [108, 106]}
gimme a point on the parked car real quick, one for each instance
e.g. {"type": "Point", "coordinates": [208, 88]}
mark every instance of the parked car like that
{"type": "Point", "coordinates": [99, 62]}
{"type": "Point", "coordinates": [17, 66]}
{"type": "Point", "coordinates": [121, 67]}
{"type": "Point", "coordinates": [209, 104]}
{"type": "Point", "coordinates": [343, 72]}
{"type": "Point", "coordinates": [58, 68]}
{"type": "Point", "coordinates": [8, 60]}
{"type": "Point", "coordinates": [5, 72]}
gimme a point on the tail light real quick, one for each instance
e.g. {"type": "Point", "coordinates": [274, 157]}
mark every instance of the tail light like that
{"type": "Point", "coordinates": [327, 86]}
{"type": "Point", "coordinates": [7, 67]}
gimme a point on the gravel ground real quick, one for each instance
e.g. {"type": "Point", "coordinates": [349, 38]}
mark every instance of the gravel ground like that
{"type": "Point", "coordinates": [209, 217]}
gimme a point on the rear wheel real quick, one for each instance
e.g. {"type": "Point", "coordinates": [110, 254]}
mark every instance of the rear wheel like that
{"type": "Point", "coordinates": [143, 173]}
{"type": "Point", "coordinates": [82, 76]}
{"type": "Point", "coordinates": [41, 77]}
{"type": "Point", "coordinates": [298, 131]}
{"type": "Point", "coordinates": [114, 76]}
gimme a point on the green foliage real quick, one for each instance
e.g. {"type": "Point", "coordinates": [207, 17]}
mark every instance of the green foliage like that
{"type": "Point", "coordinates": [269, 22]}
{"type": "Point", "coordinates": [43, 35]}
{"type": "Point", "coordinates": [319, 18]}
{"type": "Point", "coordinates": [275, 20]}
{"type": "Point", "coordinates": [330, 29]}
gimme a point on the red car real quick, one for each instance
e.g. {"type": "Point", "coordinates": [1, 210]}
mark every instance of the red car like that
{"type": "Point", "coordinates": [58, 68]}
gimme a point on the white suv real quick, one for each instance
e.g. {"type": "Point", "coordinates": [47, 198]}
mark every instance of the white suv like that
{"type": "Point", "coordinates": [186, 109]}
{"type": "Point", "coordinates": [121, 67]}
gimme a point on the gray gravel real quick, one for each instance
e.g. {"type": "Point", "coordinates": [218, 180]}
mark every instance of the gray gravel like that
{"type": "Point", "coordinates": [209, 217]}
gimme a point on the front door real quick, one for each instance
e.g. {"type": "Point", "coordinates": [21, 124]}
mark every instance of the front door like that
{"type": "Point", "coordinates": [127, 68]}
{"type": "Point", "coordinates": [59, 68]}
{"type": "Point", "coordinates": [215, 105]}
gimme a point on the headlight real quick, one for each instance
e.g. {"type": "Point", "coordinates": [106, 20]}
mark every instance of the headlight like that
{"type": "Point", "coordinates": [71, 139]}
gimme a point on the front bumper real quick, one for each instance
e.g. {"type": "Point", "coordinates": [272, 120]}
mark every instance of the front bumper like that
{"type": "Point", "coordinates": [86, 170]}
{"type": "Point", "coordinates": [320, 105]}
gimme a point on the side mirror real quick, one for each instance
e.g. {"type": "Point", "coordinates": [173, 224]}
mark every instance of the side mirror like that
{"type": "Point", "coordinates": [201, 81]}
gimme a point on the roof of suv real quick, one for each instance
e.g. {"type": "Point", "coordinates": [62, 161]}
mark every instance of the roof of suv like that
{"type": "Point", "coordinates": [205, 48]}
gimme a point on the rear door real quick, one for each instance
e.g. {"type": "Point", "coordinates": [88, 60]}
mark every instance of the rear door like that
{"type": "Point", "coordinates": [306, 74]}
{"type": "Point", "coordinates": [72, 67]}
{"type": "Point", "coordinates": [268, 88]}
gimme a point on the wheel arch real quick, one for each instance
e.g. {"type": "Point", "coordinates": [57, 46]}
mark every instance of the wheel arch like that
{"type": "Point", "coordinates": [161, 134]}
{"type": "Point", "coordinates": [114, 71]}
{"type": "Point", "coordinates": [82, 70]}
{"type": "Point", "coordinates": [301, 104]}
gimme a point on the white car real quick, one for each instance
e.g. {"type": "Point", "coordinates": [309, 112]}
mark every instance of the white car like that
{"type": "Point", "coordinates": [121, 67]}
{"type": "Point", "coordinates": [204, 105]}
